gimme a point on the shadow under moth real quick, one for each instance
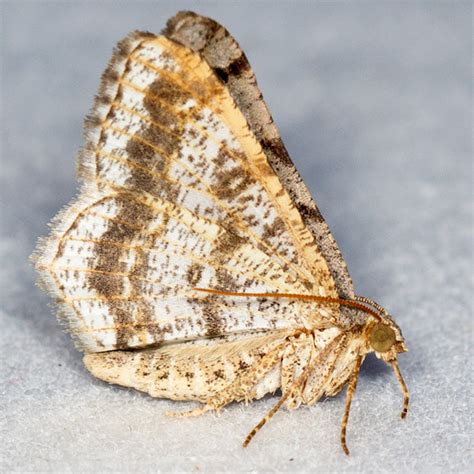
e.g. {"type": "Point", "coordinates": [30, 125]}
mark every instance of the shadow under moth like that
{"type": "Point", "coordinates": [194, 264]}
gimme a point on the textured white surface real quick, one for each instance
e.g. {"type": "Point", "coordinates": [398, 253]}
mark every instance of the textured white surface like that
{"type": "Point", "coordinates": [373, 102]}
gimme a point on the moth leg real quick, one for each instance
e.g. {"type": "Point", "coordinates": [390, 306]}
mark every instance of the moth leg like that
{"type": "Point", "coordinates": [299, 353]}
{"type": "Point", "coordinates": [292, 391]}
{"type": "Point", "coordinates": [350, 392]}
{"type": "Point", "coordinates": [190, 413]}
{"type": "Point", "coordinates": [266, 418]}
{"type": "Point", "coordinates": [403, 386]}
{"type": "Point", "coordinates": [293, 386]}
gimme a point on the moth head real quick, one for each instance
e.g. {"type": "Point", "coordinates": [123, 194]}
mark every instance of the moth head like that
{"type": "Point", "coordinates": [385, 339]}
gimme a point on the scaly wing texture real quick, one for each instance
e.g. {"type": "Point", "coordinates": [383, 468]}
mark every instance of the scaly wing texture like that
{"type": "Point", "coordinates": [234, 368]}
{"type": "Point", "coordinates": [229, 368]}
{"type": "Point", "coordinates": [177, 193]}
{"type": "Point", "coordinates": [224, 55]}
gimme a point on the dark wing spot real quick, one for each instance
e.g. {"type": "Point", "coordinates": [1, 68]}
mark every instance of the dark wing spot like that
{"type": "Point", "coordinates": [219, 374]}
{"type": "Point", "coordinates": [194, 274]}
{"type": "Point", "coordinates": [212, 319]}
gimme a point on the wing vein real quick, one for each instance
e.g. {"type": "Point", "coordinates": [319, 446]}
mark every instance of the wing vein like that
{"type": "Point", "coordinates": [241, 224]}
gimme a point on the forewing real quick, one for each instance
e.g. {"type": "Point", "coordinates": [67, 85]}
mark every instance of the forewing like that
{"type": "Point", "coordinates": [177, 194]}
{"type": "Point", "coordinates": [224, 55]}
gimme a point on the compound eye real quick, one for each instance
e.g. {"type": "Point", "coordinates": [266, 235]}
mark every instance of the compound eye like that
{"type": "Point", "coordinates": [382, 337]}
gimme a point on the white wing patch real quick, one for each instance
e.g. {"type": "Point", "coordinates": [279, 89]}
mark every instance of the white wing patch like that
{"type": "Point", "coordinates": [178, 195]}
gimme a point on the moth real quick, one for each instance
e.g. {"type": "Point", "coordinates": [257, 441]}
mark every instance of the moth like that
{"type": "Point", "coordinates": [194, 264]}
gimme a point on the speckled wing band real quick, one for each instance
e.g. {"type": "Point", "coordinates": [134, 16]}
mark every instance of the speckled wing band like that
{"type": "Point", "coordinates": [193, 264]}
{"type": "Point", "coordinates": [224, 55]}
{"type": "Point", "coordinates": [235, 367]}
{"type": "Point", "coordinates": [178, 193]}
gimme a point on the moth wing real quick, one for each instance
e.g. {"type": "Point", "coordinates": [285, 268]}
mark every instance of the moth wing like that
{"type": "Point", "coordinates": [224, 55]}
{"type": "Point", "coordinates": [177, 193]}
{"type": "Point", "coordinates": [197, 370]}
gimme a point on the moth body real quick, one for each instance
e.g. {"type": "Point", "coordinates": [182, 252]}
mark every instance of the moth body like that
{"type": "Point", "coordinates": [225, 370]}
{"type": "Point", "coordinates": [194, 263]}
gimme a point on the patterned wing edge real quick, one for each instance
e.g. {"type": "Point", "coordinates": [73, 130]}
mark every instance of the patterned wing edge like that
{"type": "Point", "coordinates": [101, 108]}
{"type": "Point", "coordinates": [88, 191]}
{"type": "Point", "coordinates": [226, 58]}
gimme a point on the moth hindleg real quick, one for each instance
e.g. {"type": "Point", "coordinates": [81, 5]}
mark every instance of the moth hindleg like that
{"type": "Point", "coordinates": [190, 413]}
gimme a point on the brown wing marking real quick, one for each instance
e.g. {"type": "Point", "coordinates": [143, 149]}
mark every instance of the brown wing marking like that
{"type": "Point", "coordinates": [224, 55]}
{"type": "Point", "coordinates": [221, 370]}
